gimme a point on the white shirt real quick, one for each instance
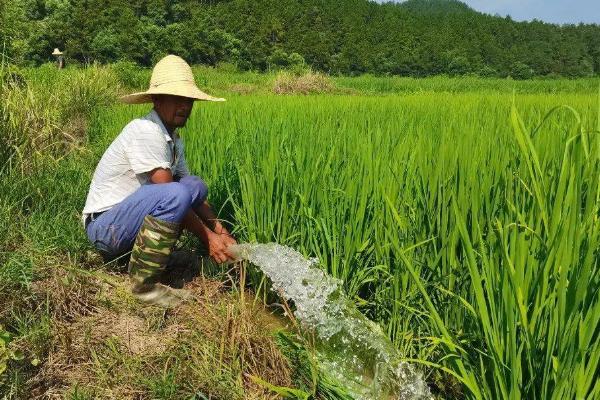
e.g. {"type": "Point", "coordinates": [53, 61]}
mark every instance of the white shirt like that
{"type": "Point", "coordinates": [142, 146]}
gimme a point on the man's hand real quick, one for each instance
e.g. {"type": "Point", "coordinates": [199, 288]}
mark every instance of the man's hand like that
{"type": "Point", "coordinates": [229, 240]}
{"type": "Point", "coordinates": [218, 247]}
{"type": "Point", "coordinates": [218, 240]}
{"type": "Point", "coordinates": [219, 229]}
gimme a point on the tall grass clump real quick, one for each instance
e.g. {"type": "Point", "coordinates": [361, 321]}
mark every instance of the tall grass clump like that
{"type": "Point", "coordinates": [44, 112]}
{"type": "Point", "coordinates": [43, 120]}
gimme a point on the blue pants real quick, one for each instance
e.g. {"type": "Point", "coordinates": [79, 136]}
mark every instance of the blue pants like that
{"type": "Point", "coordinates": [114, 231]}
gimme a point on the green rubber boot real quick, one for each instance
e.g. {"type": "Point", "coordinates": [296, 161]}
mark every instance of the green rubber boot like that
{"type": "Point", "coordinates": [149, 257]}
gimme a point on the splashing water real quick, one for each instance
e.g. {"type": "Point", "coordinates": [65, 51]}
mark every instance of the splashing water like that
{"type": "Point", "coordinates": [354, 349]}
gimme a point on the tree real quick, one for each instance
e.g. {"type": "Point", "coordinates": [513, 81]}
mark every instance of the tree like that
{"type": "Point", "coordinates": [459, 65]}
{"type": "Point", "coordinates": [521, 70]}
{"type": "Point", "coordinates": [416, 37]}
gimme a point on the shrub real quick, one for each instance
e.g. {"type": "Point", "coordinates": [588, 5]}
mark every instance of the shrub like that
{"type": "Point", "coordinates": [459, 65]}
{"type": "Point", "coordinates": [521, 71]}
{"type": "Point", "coordinates": [88, 89]}
{"type": "Point", "coordinates": [6, 351]}
{"type": "Point", "coordinates": [131, 75]}
{"type": "Point", "coordinates": [487, 72]}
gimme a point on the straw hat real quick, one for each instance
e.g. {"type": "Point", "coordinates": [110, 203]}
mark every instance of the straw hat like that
{"type": "Point", "coordinates": [57, 52]}
{"type": "Point", "coordinates": [171, 75]}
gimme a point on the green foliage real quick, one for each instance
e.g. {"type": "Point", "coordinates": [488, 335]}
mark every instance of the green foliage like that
{"type": "Point", "coordinates": [350, 37]}
{"type": "Point", "coordinates": [285, 392]}
{"type": "Point", "coordinates": [131, 75]}
{"type": "Point", "coordinates": [459, 65]}
{"type": "Point", "coordinates": [293, 62]}
{"type": "Point", "coordinates": [487, 72]}
{"type": "Point", "coordinates": [521, 71]}
{"type": "Point", "coordinates": [6, 352]}
{"type": "Point", "coordinates": [106, 46]}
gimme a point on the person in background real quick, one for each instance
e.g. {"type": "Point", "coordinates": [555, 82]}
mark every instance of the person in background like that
{"type": "Point", "coordinates": [142, 194]}
{"type": "Point", "coordinates": [60, 59]}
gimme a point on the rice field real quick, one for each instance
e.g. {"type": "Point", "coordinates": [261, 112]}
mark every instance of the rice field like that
{"type": "Point", "coordinates": [462, 215]}
{"type": "Point", "coordinates": [467, 224]}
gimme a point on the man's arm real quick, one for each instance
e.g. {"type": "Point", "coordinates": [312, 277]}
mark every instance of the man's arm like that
{"type": "Point", "coordinates": [207, 214]}
{"type": "Point", "coordinates": [216, 243]}
{"type": "Point", "coordinates": [160, 175]}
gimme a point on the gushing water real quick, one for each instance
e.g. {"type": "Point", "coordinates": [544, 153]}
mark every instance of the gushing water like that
{"type": "Point", "coordinates": [353, 348]}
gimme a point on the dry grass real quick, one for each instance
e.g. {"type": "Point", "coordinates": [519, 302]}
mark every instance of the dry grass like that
{"type": "Point", "coordinates": [101, 339]}
{"type": "Point", "coordinates": [309, 83]}
{"type": "Point", "coordinates": [243, 88]}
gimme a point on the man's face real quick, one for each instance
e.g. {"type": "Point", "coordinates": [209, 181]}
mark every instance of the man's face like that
{"type": "Point", "coordinates": [173, 110]}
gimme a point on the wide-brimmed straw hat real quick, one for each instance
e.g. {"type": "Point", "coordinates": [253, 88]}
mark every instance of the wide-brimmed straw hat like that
{"type": "Point", "coordinates": [57, 52]}
{"type": "Point", "coordinates": [171, 75]}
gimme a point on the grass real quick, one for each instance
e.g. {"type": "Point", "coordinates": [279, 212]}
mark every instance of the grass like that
{"type": "Point", "coordinates": [462, 218]}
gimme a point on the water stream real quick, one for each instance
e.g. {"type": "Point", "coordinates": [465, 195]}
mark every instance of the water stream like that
{"type": "Point", "coordinates": [353, 349]}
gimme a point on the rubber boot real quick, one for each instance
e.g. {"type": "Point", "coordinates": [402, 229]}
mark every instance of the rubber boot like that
{"type": "Point", "coordinates": [149, 258]}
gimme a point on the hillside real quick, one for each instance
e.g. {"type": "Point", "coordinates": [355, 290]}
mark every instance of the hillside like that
{"type": "Point", "coordinates": [437, 7]}
{"type": "Point", "coordinates": [414, 38]}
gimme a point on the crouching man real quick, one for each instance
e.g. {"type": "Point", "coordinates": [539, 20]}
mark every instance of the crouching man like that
{"type": "Point", "coordinates": [142, 194]}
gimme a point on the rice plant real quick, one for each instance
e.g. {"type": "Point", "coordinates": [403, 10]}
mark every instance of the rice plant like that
{"type": "Point", "coordinates": [468, 231]}
{"type": "Point", "coordinates": [465, 221]}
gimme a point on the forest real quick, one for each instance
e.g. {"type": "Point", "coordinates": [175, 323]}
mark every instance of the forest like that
{"type": "Point", "coordinates": [339, 37]}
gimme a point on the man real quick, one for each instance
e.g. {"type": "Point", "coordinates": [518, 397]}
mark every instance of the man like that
{"type": "Point", "coordinates": [142, 193]}
{"type": "Point", "coordinates": [60, 60]}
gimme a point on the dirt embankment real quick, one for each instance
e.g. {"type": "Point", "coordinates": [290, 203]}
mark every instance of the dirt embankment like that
{"type": "Point", "coordinates": [102, 343]}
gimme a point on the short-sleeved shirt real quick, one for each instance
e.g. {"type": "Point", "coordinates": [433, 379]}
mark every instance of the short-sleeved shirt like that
{"type": "Point", "coordinates": [142, 146]}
